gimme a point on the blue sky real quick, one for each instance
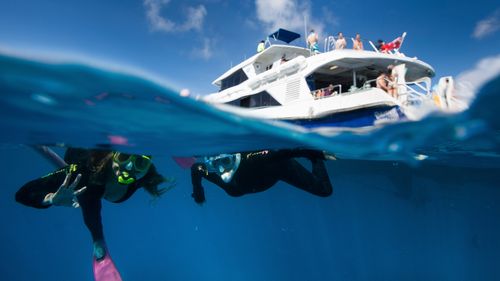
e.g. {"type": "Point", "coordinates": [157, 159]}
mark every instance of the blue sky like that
{"type": "Point", "coordinates": [190, 43]}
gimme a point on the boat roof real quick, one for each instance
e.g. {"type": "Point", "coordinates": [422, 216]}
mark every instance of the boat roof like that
{"type": "Point", "coordinates": [284, 35]}
{"type": "Point", "coordinates": [262, 56]}
{"type": "Point", "coordinates": [347, 58]}
{"type": "Point", "coordinates": [341, 60]}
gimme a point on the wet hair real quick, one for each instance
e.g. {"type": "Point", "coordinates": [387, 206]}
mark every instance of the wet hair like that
{"type": "Point", "coordinates": [92, 161]}
{"type": "Point", "coordinates": [151, 181]}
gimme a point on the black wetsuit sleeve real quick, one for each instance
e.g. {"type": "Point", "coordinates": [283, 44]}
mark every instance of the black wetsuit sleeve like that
{"type": "Point", "coordinates": [197, 173]}
{"type": "Point", "coordinates": [33, 193]}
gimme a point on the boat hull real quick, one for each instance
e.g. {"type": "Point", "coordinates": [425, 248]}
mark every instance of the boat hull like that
{"type": "Point", "coordinates": [365, 117]}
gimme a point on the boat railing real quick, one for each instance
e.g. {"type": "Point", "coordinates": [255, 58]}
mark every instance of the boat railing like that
{"type": "Point", "coordinates": [408, 93]}
{"type": "Point", "coordinates": [413, 93]}
{"type": "Point", "coordinates": [329, 45]}
{"type": "Point", "coordinates": [368, 83]}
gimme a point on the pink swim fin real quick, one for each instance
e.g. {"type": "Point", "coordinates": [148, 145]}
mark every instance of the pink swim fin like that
{"type": "Point", "coordinates": [184, 162]}
{"type": "Point", "coordinates": [105, 269]}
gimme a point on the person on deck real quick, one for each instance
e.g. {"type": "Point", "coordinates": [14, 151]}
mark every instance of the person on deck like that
{"type": "Point", "coordinates": [93, 175]}
{"type": "Point", "coordinates": [357, 43]}
{"type": "Point", "coordinates": [283, 59]}
{"type": "Point", "coordinates": [392, 76]}
{"type": "Point", "coordinates": [244, 173]}
{"type": "Point", "coordinates": [312, 42]}
{"type": "Point", "coordinates": [380, 45]}
{"type": "Point", "coordinates": [340, 43]}
{"type": "Point", "coordinates": [383, 83]}
{"type": "Point", "coordinates": [261, 47]}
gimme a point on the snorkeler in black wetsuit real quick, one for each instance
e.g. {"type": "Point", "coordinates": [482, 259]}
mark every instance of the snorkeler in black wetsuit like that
{"type": "Point", "coordinates": [90, 176]}
{"type": "Point", "coordinates": [240, 174]}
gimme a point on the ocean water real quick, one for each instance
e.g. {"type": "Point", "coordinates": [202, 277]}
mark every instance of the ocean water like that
{"type": "Point", "coordinates": [412, 201]}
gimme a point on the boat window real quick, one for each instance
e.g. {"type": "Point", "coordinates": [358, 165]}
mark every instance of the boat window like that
{"type": "Point", "coordinates": [260, 99]}
{"type": "Point", "coordinates": [322, 79]}
{"type": "Point", "coordinates": [234, 79]}
{"type": "Point", "coordinates": [310, 82]}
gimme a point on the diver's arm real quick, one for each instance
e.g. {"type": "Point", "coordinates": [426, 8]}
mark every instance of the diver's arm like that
{"type": "Point", "coordinates": [197, 173]}
{"type": "Point", "coordinates": [36, 192]}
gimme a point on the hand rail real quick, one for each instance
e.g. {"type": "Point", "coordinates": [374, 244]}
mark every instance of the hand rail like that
{"type": "Point", "coordinates": [329, 43]}
{"type": "Point", "coordinates": [373, 46]}
{"type": "Point", "coordinates": [418, 85]}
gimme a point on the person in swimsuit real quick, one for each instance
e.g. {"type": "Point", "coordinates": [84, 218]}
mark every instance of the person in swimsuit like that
{"type": "Point", "coordinates": [92, 175]}
{"type": "Point", "coordinates": [357, 43]}
{"type": "Point", "coordinates": [245, 173]}
{"type": "Point", "coordinates": [340, 43]}
{"type": "Point", "coordinates": [382, 82]}
{"type": "Point", "coordinates": [312, 42]}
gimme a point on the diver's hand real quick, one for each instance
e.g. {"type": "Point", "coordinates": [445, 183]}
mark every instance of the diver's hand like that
{"type": "Point", "coordinates": [66, 194]}
{"type": "Point", "coordinates": [198, 195]}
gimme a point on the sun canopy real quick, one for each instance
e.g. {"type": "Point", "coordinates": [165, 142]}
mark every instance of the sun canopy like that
{"type": "Point", "coordinates": [284, 35]}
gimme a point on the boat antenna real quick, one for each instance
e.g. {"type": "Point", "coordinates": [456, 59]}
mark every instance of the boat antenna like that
{"type": "Point", "coordinates": [305, 29]}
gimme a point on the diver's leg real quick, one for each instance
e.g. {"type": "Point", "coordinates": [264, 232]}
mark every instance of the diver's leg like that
{"type": "Point", "coordinates": [90, 203]}
{"type": "Point", "coordinates": [320, 172]}
{"type": "Point", "coordinates": [317, 182]}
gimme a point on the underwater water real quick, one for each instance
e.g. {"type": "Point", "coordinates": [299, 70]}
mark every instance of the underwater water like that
{"type": "Point", "coordinates": [391, 217]}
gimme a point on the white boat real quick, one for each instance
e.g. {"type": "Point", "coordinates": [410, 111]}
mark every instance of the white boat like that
{"type": "Point", "coordinates": [336, 88]}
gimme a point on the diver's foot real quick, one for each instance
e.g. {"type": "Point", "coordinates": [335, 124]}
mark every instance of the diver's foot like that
{"type": "Point", "coordinates": [99, 251]}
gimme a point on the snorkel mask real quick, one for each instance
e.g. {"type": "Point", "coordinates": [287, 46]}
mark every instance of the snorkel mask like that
{"type": "Point", "coordinates": [224, 165]}
{"type": "Point", "coordinates": [129, 168]}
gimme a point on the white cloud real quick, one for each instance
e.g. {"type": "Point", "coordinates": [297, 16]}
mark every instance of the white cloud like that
{"type": "Point", "coordinates": [195, 17]}
{"type": "Point", "coordinates": [288, 14]}
{"type": "Point", "coordinates": [487, 26]}
{"type": "Point", "coordinates": [206, 50]}
{"type": "Point", "coordinates": [470, 81]}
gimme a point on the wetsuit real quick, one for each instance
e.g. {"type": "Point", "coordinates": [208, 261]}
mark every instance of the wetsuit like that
{"type": "Point", "coordinates": [258, 171]}
{"type": "Point", "coordinates": [33, 193]}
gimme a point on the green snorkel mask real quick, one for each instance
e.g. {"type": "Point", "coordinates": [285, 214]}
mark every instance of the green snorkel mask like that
{"type": "Point", "coordinates": [130, 167]}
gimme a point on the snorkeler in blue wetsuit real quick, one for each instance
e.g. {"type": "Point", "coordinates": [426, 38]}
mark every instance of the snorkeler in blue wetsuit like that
{"type": "Point", "coordinates": [243, 173]}
{"type": "Point", "coordinates": [90, 176]}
